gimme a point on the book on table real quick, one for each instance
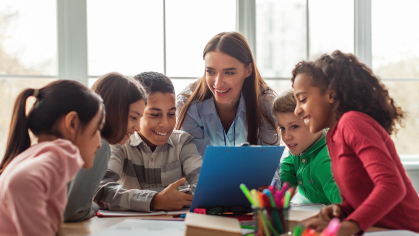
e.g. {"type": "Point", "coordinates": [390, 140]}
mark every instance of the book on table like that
{"type": "Point", "coordinates": [198, 224]}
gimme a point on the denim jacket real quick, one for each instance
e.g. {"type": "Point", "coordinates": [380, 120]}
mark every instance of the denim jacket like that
{"type": "Point", "coordinates": [203, 122]}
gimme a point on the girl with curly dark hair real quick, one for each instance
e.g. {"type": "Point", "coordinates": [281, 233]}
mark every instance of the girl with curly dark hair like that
{"type": "Point", "coordinates": [338, 92]}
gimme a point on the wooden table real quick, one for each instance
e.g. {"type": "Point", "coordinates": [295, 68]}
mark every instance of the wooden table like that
{"type": "Point", "coordinates": [96, 224]}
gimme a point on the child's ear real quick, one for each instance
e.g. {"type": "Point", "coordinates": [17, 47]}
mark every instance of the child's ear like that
{"type": "Point", "coordinates": [330, 96]}
{"type": "Point", "coordinates": [249, 69]}
{"type": "Point", "coordinates": [71, 122]}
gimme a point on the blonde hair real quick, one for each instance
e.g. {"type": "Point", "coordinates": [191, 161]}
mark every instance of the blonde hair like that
{"type": "Point", "coordinates": [285, 102]}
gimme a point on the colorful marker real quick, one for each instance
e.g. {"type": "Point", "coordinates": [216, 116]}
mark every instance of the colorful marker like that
{"type": "Point", "coordinates": [275, 213]}
{"type": "Point", "coordinates": [287, 199]}
{"type": "Point", "coordinates": [253, 194]}
{"type": "Point", "coordinates": [263, 202]}
{"type": "Point", "coordinates": [247, 194]}
{"type": "Point", "coordinates": [272, 186]}
{"type": "Point", "coordinates": [280, 194]}
{"type": "Point", "coordinates": [309, 232]}
{"type": "Point", "coordinates": [269, 209]}
{"type": "Point", "coordinates": [332, 228]}
{"type": "Point", "coordinates": [298, 230]}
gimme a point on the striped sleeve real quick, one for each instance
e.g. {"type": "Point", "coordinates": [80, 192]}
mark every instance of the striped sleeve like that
{"type": "Point", "coordinates": [112, 196]}
{"type": "Point", "coordinates": [191, 160]}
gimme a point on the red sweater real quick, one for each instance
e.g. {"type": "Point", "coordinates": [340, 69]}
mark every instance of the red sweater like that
{"type": "Point", "coordinates": [374, 186]}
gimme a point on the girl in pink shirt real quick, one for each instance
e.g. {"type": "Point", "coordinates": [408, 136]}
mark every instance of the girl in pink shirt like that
{"type": "Point", "coordinates": [338, 92]}
{"type": "Point", "coordinates": [66, 119]}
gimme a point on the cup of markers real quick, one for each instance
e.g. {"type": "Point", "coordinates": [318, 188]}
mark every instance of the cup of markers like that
{"type": "Point", "coordinates": [270, 209]}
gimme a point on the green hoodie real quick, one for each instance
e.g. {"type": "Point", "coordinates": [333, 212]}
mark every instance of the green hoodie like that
{"type": "Point", "coordinates": [312, 172]}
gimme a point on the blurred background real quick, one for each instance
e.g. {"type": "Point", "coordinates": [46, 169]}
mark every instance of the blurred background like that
{"type": "Point", "coordinates": [46, 40]}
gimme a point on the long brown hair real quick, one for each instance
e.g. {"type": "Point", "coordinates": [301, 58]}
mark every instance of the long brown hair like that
{"type": "Point", "coordinates": [118, 93]}
{"type": "Point", "coordinates": [353, 86]}
{"type": "Point", "coordinates": [53, 102]}
{"type": "Point", "coordinates": [235, 45]}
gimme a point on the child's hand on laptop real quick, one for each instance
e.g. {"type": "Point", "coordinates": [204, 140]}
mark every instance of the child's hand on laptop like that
{"type": "Point", "coordinates": [171, 199]}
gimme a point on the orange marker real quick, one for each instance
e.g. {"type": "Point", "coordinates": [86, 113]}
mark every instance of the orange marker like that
{"type": "Point", "coordinates": [309, 232]}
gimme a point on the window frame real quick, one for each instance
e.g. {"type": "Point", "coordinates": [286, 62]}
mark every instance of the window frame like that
{"type": "Point", "coordinates": [73, 57]}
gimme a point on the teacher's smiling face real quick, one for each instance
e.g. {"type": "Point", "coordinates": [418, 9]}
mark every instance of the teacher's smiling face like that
{"type": "Point", "coordinates": [225, 76]}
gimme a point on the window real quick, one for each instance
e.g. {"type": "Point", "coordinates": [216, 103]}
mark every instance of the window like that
{"type": "Point", "coordinates": [24, 48]}
{"type": "Point", "coordinates": [168, 36]}
{"type": "Point", "coordinates": [395, 51]}
{"type": "Point", "coordinates": [126, 39]}
{"type": "Point", "coordinates": [284, 38]}
{"type": "Point", "coordinates": [190, 24]}
{"type": "Point", "coordinates": [27, 54]}
{"type": "Point", "coordinates": [395, 58]}
{"type": "Point", "coordinates": [142, 30]}
{"type": "Point", "coordinates": [331, 27]}
{"type": "Point", "coordinates": [281, 36]}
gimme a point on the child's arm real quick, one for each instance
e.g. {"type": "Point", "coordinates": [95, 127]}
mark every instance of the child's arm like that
{"type": "Point", "coordinates": [80, 206]}
{"type": "Point", "coordinates": [346, 208]}
{"type": "Point", "coordinates": [191, 160]}
{"type": "Point", "coordinates": [28, 204]}
{"type": "Point", "coordinates": [112, 196]}
{"type": "Point", "coordinates": [362, 135]}
{"type": "Point", "coordinates": [325, 177]}
{"type": "Point", "coordinates": [288, 173]}
{"type": "Point", "coordinates": [32, 187]}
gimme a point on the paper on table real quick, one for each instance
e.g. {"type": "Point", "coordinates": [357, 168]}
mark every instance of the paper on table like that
{"type": "Point", "coordinates": [299, 213]}
{"type": "Point", "coordinates": [179, 212]}
{"type": "Point", "coordinates": [106, 213]}
{"type": "Point", "coordinates": [299, 199]}
{"type": "Point", "coordinates": [392, 233]}
{"type": "Point", "coordinates": [144, 228]}
{"type": "Point", "coordinates": [309, 207]}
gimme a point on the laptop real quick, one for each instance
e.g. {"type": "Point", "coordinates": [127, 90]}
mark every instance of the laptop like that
{"type": "Point", "coordinates": [225, 168]}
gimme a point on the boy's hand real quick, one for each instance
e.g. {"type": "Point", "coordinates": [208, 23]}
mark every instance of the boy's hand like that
{"type": "Point", "coordinates": [170, 198]}
{"type": "Point", "coordinates": [330, 212]}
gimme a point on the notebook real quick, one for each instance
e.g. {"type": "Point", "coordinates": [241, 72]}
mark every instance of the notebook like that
{"type": "Point", "coordinates": [107, 213]}
{"type": "Point", "coordinates": [198, 224]}
{"type": "Point", "coordinates": [225, 168]}
{"type": "Point", "coordinates": [144, 228]}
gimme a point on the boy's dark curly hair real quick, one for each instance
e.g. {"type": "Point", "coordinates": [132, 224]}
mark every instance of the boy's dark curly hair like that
{"type": "Point", "coordinates": [353, 86]}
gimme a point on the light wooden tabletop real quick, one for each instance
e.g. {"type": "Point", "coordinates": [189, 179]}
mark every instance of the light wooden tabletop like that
{"type": "Point", "coordinates": [96, 224]}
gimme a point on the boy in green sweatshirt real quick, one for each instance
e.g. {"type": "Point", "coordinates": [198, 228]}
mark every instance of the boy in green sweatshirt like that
{"type": "Point", "coordinates": [308, 163]}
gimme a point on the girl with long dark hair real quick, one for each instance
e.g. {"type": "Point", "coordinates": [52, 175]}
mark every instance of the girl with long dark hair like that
{"type": "Point", "coordinates": [66, 119]}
